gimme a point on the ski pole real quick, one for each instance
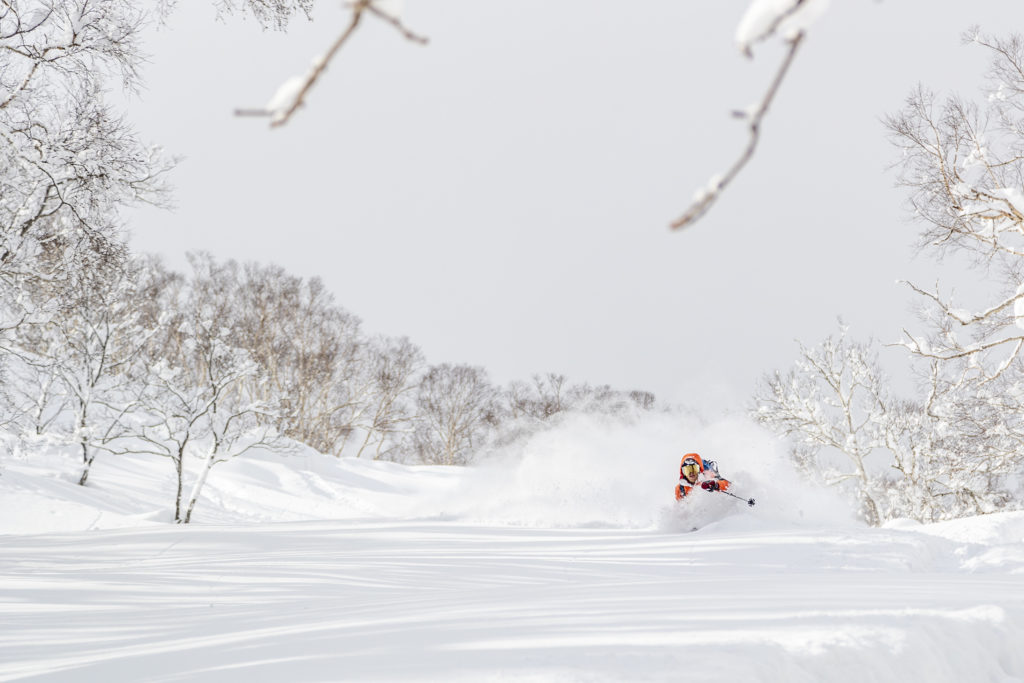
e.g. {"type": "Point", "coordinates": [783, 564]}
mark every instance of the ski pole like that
{"type": "Point", "coordinates": [749, 501]}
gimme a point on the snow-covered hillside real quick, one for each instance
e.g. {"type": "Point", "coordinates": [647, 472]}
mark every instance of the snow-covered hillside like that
{"type": "Point", "coordinates": [563, 560]}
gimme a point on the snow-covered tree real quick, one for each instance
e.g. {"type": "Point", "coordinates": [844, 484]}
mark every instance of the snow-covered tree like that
{"type": "Point", "coordinates": [833, 402]}
{"type": "Point", "coordinates": [950, 455]}
{"type": "Point", "coordinates": [192, 389]}
{"type": "Point", "coordinates": [89, 345]}
{"type": "Point", "coordinates": [963, 164]}
{"type": "Point", "coordinates": [31, 397]}
{"type": "Point", "coordinates": [978, 428]}
{"type": "Point", "coordinates": [192, 405]}
{"type": "Point", "coordinates": [68, 162]}
{"type": "Point", "coordinates": [957, 451]}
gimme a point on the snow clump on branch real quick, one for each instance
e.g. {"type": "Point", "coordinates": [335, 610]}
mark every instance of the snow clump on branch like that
{"type": "Point", "coordinates": [765, 18]}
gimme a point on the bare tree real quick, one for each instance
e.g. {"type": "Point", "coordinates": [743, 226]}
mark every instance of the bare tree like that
{"type": "Point", "coordinates": [311, 350]}
{"type": "Point", "coordinates": [456, 408]}
{"type": "Point", "coordinates": [524, 409]}
{"type": "Point", "coordinates": [516, 400]}
{"type": "Point", "coordinates": [392, 365]}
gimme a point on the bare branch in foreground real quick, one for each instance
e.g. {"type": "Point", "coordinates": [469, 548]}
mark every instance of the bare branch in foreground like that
{"type": "Point", "coordinates": [292, 94]}
{"type": "Point", "coordinates": [706, 197]}
{"type": "Point", "coordinates": [397, 23]}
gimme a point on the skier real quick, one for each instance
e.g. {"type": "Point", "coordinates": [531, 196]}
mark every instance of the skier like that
{"type": "Point", "coordinates": [694, 468]}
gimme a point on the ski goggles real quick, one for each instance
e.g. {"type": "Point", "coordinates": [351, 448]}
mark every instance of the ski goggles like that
{"type": "Point", "coordinates": [690, 470]}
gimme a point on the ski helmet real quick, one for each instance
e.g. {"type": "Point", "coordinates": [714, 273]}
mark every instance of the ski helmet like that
{"type": "Point", "coordinates": [691, 467]}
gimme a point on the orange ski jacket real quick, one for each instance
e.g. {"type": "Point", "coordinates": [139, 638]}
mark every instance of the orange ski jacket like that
{"type": "Point", "coordinates": [708, 472]}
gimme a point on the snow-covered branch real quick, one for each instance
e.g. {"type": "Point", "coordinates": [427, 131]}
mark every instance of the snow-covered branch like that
{"type": "Point", "coordinates": [763, 19]}
{"type": "Point", "coordinates": [705, 197]}
{"type": "Point", "coordinates": [953, 454]}
{"type": "Point", "coordinates": [291, 95]}
{"type": "Point", "coordinates": [963, 163]}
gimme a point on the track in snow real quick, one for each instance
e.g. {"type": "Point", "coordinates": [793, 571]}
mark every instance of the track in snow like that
{"type": "Point", "coordinates": [430, 601]}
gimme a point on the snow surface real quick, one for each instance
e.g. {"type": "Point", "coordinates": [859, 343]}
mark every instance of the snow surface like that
{"type": "Point", "coordinates": [563, 560]}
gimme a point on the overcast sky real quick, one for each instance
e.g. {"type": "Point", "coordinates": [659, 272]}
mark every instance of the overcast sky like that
{"type": "Point", "coordinates": [502, 195]}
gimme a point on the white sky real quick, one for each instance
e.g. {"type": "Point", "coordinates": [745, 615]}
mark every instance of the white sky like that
{"type": "Point", "coordinates": [502, 195]}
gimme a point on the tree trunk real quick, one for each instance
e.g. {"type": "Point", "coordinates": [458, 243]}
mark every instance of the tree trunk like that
{"type": "Point", "coordinates": [86, 468]}
{"type": "Point", "coordinates": [198, 487]}
{"type": "Point", "coordinates": [874, 515]}
{"type": "Point", "coordinates": [366, 442]}
{"type": "Point", "coordinates": [84, 443]}
{"type": "Point", "coordinates": [179, 466]}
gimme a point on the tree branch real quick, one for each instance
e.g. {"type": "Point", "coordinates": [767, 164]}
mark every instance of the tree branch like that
{"type": "Point", "coordinates": [706, 197]}
{"type": "Point", "coordinates": [281, 116]}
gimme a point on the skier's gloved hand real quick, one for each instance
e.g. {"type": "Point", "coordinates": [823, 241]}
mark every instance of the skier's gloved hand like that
{"type": "Point", "coordinates": [710, 486]}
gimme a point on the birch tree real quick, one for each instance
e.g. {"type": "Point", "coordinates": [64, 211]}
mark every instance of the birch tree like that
{"type": "Point", "coordinates": [310, 349]}
{"type": "Point", "coordinates": [456, 407]}
{"type": "Point", "coordinates": [92, 342]}
{"type": "Point", "coordinates": [392, 365]}
{"type": "Point", "coordinates": [192, 400]}
{"type": "Point", "coordinates": [196, 410]}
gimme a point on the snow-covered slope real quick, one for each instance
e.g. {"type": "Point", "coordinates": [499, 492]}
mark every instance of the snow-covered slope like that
{"type": "Point", "coordinates": [564, 560]}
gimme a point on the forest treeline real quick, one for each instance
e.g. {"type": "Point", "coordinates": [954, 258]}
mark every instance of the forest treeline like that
{"type": "Point", "coordinates": [134, 358]}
